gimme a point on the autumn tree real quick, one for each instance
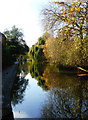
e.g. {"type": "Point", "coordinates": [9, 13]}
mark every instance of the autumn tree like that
{"type": "Point", "coordinates": [69, 18]}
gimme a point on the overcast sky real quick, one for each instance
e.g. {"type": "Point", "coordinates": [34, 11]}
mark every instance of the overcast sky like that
{"type": "Point", "coordinates": [25, 14]}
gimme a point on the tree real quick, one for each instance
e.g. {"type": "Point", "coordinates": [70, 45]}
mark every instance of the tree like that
{"type": "Point", "coordinates": [69, 18]}
{"type": "Point", "coordinates": [15, 45]}
{"type": "Point", "coordinates": [15, 34]}
{"type": "Point", "coordinates": [41, 41]}
{"type": "Point", "coordinates": [36, 51]}
{"type": "Point", "coordinates": [46, 35]}
{"type": "Point", "coordinates": [15, 40]}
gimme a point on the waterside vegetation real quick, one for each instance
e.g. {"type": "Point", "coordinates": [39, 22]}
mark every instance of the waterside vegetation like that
{"type": "Point", "coordinates": [65, 41]}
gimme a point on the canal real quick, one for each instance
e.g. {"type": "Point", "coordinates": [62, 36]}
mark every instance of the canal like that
{"type": "Point", "coordinates": [43, 91]}
{"type": "Point", "coordinates": [34, 97]}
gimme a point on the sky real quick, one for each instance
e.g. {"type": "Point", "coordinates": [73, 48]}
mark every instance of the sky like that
{"type": "Point", "coordinates": [25, 15]}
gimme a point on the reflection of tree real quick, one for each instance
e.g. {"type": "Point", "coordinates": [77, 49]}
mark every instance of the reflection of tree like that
{"type": "Point", "coordinates": [23, 67]}
{"type": "Point", "coordinates": [62, 104]}
{"type": "Point", "coordinates": [68, 97]}
{"type": "Point", "coordinates": [20, 84]}
{"type": "Point", "coordinates": [58, 79]}
{"type": "Point", "coordinates": [18, 90]}
{"type": "Point", "coordinates": [36, 71]}
{"type": "Point", "coordinates": [83, 97]}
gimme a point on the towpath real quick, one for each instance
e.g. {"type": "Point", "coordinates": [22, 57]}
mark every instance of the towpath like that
{"type": "Point", "coordinates": [8, 77]}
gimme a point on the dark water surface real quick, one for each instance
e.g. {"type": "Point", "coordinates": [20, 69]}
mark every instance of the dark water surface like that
{"type": "Point", "coordinates": [42, 91]}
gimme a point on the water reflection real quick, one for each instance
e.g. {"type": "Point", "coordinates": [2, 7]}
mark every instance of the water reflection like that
{"type": "Point", "coordinates": [18, 92]}
{"type": "Point", "coordinates": [68, 96]}
{"type": "Point", "coordinates": [62, 104]}
{"type": "Point", "coordinates": [36, 71]}
{"type": "Point", "coordinates": [20, 84]}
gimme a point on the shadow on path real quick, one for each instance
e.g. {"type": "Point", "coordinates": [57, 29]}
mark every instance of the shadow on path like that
{"type": "Point", "coordinates": [8, 77]}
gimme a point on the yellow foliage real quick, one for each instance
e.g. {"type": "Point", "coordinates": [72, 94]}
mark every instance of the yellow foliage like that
{"type": "Point", "coordinates": [73, 3]}
{"type": "Point", "coordinates": [54, 15]}
{"type": "Point", "coordinates": [79, 9]}
{"type": "Point", "coordinates": [72, 9]}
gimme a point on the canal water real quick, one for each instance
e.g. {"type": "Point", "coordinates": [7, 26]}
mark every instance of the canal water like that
{"type": "Point", "coordinates": [34, 97]}
{"type": "Point", "coordinates": [43, 91]}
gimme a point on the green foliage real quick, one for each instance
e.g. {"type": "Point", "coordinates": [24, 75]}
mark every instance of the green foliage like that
{"type": "Point", "coordinates": [41, 41]}
{"type": "Point", "coordinates": [36, 51]}
{"type": "Point", "coordinates": [14, 33]}
{"type": "Point", "coordinates": [15, 46]}
{"type": "Point", "coordinates": [36, 71]}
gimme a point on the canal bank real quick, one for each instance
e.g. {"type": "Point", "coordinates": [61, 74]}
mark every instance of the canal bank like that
{"type": "Point", "coordinates": [8, 77]}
